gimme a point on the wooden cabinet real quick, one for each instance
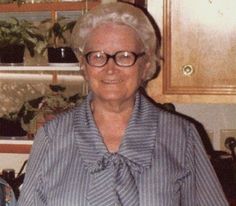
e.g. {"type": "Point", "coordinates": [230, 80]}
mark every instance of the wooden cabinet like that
{"type": "Point", "coordinates": [199, 47]}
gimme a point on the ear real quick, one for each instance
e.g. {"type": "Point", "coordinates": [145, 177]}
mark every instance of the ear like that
{"type": "Point", "coordinates": [146, 68]}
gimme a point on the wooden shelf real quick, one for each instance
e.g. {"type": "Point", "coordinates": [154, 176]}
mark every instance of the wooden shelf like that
{"type": "Point", "coordinates": [49, 6]}
{"type": "Point", "coordinates": [15, 146]}
{"type": "Point", "coordinates": [41, 73]}
{"type": "Point", "coordinates": [39, 68]}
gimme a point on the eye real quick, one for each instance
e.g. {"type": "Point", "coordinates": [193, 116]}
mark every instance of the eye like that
{"type": "Point", "coordinates": [125, 56]}
{"type": "Point", "coordinates": [97, 57]}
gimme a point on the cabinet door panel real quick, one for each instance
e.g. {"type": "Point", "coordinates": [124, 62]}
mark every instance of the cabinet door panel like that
{"type": "Point", "coordinates": [200, 47]}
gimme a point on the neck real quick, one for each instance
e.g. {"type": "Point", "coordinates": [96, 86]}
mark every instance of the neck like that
{"type": "Point", "coordinates": [112, 120]}
{"type": "Point", "coordinates": [112, 107]}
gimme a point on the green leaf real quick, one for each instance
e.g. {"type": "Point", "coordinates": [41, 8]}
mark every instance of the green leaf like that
{"type": "Point", "coordinates": [74, 98]}
{"type": "Point", "coordinates": [28, 116]}
{"type": "Point", "coordinates": [35, 102]}
{"type": "Point", "coordinates": [15, 31]}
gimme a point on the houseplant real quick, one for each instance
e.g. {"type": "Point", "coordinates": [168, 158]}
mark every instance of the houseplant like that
{"type": "Point", "coordinates": [15, 36]}
{"type": "Point", "coordinates": [10, 126]}
{"type": "Point", "coordinates": [36, 112]}
{"type": "Point", "coordinates": [58, 49]}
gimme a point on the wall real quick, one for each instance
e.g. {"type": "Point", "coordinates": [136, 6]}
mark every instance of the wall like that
{"type": "Point", "coordinates": [14, 161]}
{"type": "Point", "coordinates": [216, 118]}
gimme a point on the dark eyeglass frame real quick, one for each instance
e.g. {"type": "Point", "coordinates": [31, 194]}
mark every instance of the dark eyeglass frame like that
{"type": "Point", "coordinates": [114, 57]}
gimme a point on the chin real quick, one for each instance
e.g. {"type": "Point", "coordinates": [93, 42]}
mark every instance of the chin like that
{"type": "Point", "coordinates": [115, 96]}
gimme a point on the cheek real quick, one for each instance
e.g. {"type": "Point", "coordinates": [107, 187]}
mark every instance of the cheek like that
{"type": "Point", "coordinates": [135, 78]}
{"type": "Point", "coordinates": [91, 76]}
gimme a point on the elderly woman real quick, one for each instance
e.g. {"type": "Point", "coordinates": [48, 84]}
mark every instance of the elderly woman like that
{"type": "Point", "coordinates": [117, 148]}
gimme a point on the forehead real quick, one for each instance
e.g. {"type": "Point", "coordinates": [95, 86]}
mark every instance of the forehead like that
{"type": "Point", "coordinates": [113, 37]}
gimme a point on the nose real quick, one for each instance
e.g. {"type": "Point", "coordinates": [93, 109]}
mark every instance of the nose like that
{"type": "Point", "coordinates": [111, 66]}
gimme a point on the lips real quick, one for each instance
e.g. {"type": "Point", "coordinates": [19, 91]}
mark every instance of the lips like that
{"type": "Point", "coordinates": [111, 81]}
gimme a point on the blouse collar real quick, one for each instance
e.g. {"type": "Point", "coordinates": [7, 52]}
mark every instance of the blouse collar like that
{"type": "Point", "coordinates": [139, 139]}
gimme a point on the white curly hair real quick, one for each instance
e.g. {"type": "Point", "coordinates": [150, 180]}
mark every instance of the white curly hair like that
{"type": "Point", "coordinates": [119, 13]}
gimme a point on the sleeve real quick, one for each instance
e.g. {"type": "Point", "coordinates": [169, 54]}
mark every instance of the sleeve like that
{"type": "Point", "coordinates": [201, 187]}
{"type": "Point", "coordinates": [7, 196]}
{"type": "Point", "coordinates": [10, 197]}
{"type": "Point", "coordinates": [32, 192]}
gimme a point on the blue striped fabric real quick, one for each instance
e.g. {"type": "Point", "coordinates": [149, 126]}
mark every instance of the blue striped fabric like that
{"type": "Point", "coordinates": [161, 162]}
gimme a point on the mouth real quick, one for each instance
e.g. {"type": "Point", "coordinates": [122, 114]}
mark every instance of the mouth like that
{"type": "Point", "coordinates": [114, 81]}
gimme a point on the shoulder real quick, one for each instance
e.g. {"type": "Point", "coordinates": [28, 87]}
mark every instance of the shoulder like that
{"type": "Point", "coordinates": [172, 126]}
{"type": "Point", "coordinates": [166, 117]}
{"type": "Point", "coordinates": [62, 124]}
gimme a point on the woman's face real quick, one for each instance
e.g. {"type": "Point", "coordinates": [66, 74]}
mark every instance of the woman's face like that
{"type": "Point", "coordinates": [112, 82]}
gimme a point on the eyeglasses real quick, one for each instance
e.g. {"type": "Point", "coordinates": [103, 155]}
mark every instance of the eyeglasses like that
{"type": "Point", "coordinates": [121, 58]}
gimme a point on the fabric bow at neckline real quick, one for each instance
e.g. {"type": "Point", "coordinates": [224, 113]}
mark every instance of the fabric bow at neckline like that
{"type": "Point", "coordinates": [113, 181]}
{"type": "Point", "coordinates": [116, 161]}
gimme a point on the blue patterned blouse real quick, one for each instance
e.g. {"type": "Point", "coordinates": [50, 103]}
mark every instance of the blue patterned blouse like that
{"type": "Point", "coordinates": [161, 162]}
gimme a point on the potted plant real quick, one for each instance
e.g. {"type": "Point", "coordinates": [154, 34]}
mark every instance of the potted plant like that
{"type": "Point", "coordinates": [15, 36]}
{"type": "Point", "coordinates": [34, 113]}
{"type": "Point", "coordinates": [10, 126]}
{"type": "Point", "coordinates": [58, 49]}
